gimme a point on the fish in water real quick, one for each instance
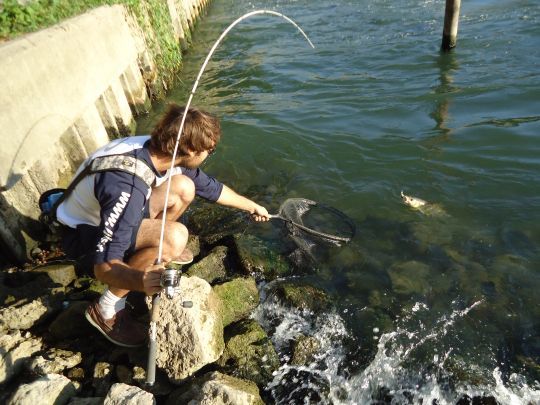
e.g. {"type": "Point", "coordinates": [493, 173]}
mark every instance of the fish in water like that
{"type": "Point", "coordinates": [423, 206]}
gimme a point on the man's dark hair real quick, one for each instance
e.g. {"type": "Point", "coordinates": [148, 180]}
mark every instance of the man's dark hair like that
{"type": "Point", "coordinates": [201, 131]}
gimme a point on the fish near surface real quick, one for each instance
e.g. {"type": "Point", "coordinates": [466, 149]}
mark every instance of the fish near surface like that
{"type": "Point", "coordinates": [423, 206]}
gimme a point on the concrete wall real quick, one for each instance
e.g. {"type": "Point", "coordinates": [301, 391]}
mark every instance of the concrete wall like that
{"type": "Point", "coordinates": [67, 90]}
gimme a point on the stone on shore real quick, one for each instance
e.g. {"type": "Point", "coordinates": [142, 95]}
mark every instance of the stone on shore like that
{"type": "Point", "coordinates": [50, 389]}
{"type": "Point", "coordinates": [239, 297]}
{"type": "Point", "coordinates": [216, 388]}
{"type": "Point", "coordinates": [71, 323]}
{"type": "Point", "coordinates": [55, 361]}
{"type": "Point", "coordinates": [86, 401]}
{"type": "Point", "coordinates": [189, 338]}
{"type": "Point", "coordinates": [15, 350]}
{"type": "Point", "coordinates": [103, 374]}
{"type": "Point", "coordinates": [25, 315]}
{"type": "Point", "coordinates": [63, 274]}
{"type": "Point", "coordinates": [121, 394]}
{"type": "Point", "coordinates": [212, 267]}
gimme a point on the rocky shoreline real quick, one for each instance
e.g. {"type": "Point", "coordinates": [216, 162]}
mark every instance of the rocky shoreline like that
{"type": "Point", "coordinates": [212, 352]}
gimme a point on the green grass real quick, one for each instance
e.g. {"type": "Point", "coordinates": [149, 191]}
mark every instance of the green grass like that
{"type": "Point", "coordinates": [16, 20]}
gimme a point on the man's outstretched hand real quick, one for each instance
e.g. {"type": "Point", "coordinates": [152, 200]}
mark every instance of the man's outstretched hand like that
{"type": "Point", "coordinates": [260, 214]}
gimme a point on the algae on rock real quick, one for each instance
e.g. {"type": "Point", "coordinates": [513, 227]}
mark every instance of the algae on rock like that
{"type": "Point", "coordinates": [249, 353]}
{"type": "Point", "coordinates": [238, 297]}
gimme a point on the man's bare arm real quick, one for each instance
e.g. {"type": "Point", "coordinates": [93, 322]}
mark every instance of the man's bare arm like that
{"type": "Point", "coordinates": [230, 198]}
{"type": "Point", "coordinates": [118, 274]}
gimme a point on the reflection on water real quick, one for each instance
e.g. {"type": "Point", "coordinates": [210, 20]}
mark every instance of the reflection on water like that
{"type": "Point", "coordinates": [447, 64]}
{"type": "Point", "coordinates": [425, 307]}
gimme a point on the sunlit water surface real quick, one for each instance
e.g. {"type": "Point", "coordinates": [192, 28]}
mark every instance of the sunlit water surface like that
{"type": "Point", "coordinates": [427, 306]}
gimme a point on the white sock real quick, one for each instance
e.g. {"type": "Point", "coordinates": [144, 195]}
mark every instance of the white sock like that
{"type": "Point", "coordinates": [110, 304]}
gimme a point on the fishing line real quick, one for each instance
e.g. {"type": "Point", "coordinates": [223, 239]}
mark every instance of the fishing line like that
{"type": "Point", "coordinates": [212, 50]}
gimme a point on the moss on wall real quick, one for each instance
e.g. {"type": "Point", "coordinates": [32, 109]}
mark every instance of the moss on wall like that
{"type": "Point", "coordinates": [17, 19]}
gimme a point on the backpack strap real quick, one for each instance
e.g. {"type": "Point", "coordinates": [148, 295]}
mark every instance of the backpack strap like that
{"type": "Point", "coordinates": [128, 164]}
{"type": "Point", "coordinates": [124, 163]}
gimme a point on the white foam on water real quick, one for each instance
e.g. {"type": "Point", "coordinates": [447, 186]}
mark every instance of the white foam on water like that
{"type": "Point", "coordinates": [323, 381]}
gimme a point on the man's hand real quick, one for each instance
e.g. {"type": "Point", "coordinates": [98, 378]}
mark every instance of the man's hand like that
{"type": "Point", "coordinates": [151, 279]}
{"type": "Point", "coordinates": [260, 214]}
{"type": "Point", "coordinates": [230, 198]}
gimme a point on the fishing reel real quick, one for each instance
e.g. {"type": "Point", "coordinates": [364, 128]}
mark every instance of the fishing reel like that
{"type": "Point", "coordinates": [170, 281]}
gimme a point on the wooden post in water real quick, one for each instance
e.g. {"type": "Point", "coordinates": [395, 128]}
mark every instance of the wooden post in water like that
{"type": "Point", "coordinates": [451, 20]}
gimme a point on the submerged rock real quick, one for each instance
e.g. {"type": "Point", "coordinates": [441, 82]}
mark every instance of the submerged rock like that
{"type": "Point", "coordinates": [411, 277]}
{"type": "Point", "coordinates": [305, 297]}
{"type": "Point", "coordinates": [121, 394]}
{"type": "Point", "coordinates": [256, 257]}
{"type": "Point", "coordinates": [217, 388]}
{"type": "Point", "coordinates": [49, 389]}
{"type": "Point", "coordinates": [249, 353]}
{"type": "Point", "coordinates": [304, 350]}
{"type": "Point", "coordinates": [189, 338]}
{"type": "Point", "coordinates": [239, 297]}
{"type": "Point", "coordinates": [14, 351]}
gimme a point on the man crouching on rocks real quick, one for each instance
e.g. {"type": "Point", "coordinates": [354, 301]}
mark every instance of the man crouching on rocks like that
{"type": "Point", "coordinates": [113, 218]}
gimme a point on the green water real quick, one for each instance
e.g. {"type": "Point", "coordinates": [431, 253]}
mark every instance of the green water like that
{"type": "Point", "coordinates": [375, 109]}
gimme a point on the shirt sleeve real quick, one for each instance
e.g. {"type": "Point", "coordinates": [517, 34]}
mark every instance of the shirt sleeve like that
{"type": "Point", "coordinates": [122, 198]}
{"type": "Point", "coordinates": [206, 186]}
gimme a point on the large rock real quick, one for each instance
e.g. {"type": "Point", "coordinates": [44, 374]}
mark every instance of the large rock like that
{"type": "Point", "coordinates": [14, 351]}
{"type": "Point", "coordinates": [50, 389]}
{"type": "Point", "coordinates": [249, 353]}
{"type": "Point", "coordinates": [218, 389]}
{"type": "Point", "coordinates": [239, 297]}
{"type": "Point", "coordinates": [25, 315]}
{"type": "Point", "coordinates": [189, 338]}
{"type": "Point", "coordinates": [212, 267]}
{"type": "Point", "coordinates": [123, 394]}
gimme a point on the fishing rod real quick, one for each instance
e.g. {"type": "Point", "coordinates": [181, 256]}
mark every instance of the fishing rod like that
{"type": "Point", "coordinates": [174, 281]}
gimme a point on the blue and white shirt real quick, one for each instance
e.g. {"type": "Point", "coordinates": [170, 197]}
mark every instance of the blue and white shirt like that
{"type": "Point", "coordinates": [114, 201]}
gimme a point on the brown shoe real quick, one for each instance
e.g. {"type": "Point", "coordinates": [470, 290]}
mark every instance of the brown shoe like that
{"type": "Point", "coordinates": [121, 329]}
{"type": "Point", "coordinates": [185, 257]}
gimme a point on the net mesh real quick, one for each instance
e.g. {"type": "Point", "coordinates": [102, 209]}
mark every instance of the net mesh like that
{"type": "Point", "coordinates": [324, 223]}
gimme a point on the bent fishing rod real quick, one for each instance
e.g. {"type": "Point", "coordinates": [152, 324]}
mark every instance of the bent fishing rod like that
{"type": "Point", "coordinates": [151, 368]}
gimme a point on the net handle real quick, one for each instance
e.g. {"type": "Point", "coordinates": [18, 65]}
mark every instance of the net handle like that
{"type": "Point", "coordinates": [311, 231]}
